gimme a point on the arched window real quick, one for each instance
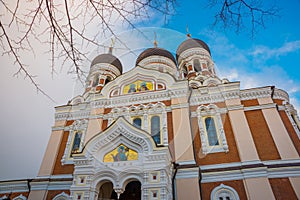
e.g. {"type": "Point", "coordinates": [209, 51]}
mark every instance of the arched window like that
{"type": "Point", "coordinates": [76, 142]}
{"type": "Point", "coordinates": [224, 192]}
{"type": "Point", "coordinates": [155, 129]}
{"type": "Point", "coordinates": [197, 66]}
{"type": "Point", "coordinates": [95, 80]}
{"type": "Point", "coordinates": [137, 122]}
{"type": "Point", "coordinates": [184, 71]}
{"type": "Point", "coordinates": [211, 131]}
{"type": "Point", "coordinates": [61, 196]}
{"type": "Point", "coordinates": [107, 80]}
{"type": "Point", "coordinates": [20, 197]}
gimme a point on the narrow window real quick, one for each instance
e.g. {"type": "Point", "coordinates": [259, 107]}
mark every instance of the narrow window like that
{"type": "Point", "coordinates": [95, 80]}
{"type": "Point", "coordinates": [211, 132]}
{"type": "Point", "coordinates": [107, 80]}
{"type": "Point", "coordinates": [76, 142]}
{"type": "Point", "coordinates": [137, 122]}
{"type": "Point", "coordinates": [197, 66]}
{"type": "Point", "coordinates": [155, 129]}
{"type": "Point", "coordinates": [184, 71]}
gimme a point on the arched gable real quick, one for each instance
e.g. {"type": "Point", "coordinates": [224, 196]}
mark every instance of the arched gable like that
{"type": "Point", "coordinates": [155, 80]}
{"type": "Point", "coordinates": [120, 132]}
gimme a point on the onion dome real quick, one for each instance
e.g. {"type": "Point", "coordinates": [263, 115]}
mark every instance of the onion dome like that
{"type": "Point", "coordinates": [155, 52]}
{"type": "Point", "coordinates": [191, 43]}
{"type": "Point", "coordinates": [109, 59]}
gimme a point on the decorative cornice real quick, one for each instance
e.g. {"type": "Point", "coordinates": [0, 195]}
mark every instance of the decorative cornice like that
{"type": "Point", "coordinates": [72, 115]}
{"type": "Point", "coordinates": [255, 93]}
{"type": "Point", "coordinates": [281, 94]}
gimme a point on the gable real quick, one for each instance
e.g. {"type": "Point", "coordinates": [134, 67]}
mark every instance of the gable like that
{"type": "Point", "coordinates": [138, 80]}
{"type": "Point", "coordinates": [105, 145]}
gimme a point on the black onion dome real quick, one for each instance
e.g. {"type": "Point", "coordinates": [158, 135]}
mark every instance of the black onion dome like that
{"type": "Point", "coordinates": [191, 43]}
{"type": "Point", "coordinates": [108, 58]}
{"type": "Point", "coordinates": [155, 52]}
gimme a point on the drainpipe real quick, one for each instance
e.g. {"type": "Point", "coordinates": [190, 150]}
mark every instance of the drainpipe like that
{"type": "Point", "coordinates": [200, 179]}
{"type": "Point", "coordinates": [28, 185]}
{"type": "Point", "coordinates": [173, 179]}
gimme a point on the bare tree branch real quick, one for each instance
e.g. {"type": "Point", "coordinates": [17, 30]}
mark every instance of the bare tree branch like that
{"type": "Point", "coordinates": [241, 14]}
{"type": "Point", "coordinates": [68, 39]}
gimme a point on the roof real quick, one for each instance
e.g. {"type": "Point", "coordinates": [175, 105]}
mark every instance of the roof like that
{"type": "Point", "coordinates": [155, 52]}
{"type": "Point", "coordinates": [109, 59]}
{"type": "Point", "coordinates": [191, 43]}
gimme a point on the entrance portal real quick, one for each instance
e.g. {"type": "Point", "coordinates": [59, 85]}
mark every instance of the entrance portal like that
{"type": "Point", "coordinates": [132, 192]}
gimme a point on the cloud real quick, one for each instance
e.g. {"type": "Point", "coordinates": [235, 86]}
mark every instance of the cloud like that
{"type": "Point", "coordinates": [253, 67]}
{"type": "Point", "coordinates": [267, 52]}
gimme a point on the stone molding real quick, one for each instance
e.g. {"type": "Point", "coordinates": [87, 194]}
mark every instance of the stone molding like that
{"type": "Point", "coordinates": [254, 169]}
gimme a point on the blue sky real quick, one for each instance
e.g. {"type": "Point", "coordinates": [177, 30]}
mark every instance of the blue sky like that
{"type": "Point", "coordinates": [271, 58]}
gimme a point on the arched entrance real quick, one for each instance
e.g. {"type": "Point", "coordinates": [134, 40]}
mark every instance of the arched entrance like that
{"type": "Point", "coordinates": [106, 191]}
{"type": "Point", "coordinates": [132, 191]}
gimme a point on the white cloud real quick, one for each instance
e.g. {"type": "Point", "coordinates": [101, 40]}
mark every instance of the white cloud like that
{"type": "Point", "coordinates": [267, 52]}
{"type": "Point", "coordinates": [248, 67]}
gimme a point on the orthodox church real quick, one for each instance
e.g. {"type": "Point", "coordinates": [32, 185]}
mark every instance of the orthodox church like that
{"type": "Point", "coordinates": [168, 129]}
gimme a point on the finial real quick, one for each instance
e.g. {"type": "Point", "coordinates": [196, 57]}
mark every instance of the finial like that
{"type": "Point", "coordinates": [155, 41]}
{"type": "Point", "coordinates": [187, 31]}
{"type": "Point", "coordinates": [111, 46]}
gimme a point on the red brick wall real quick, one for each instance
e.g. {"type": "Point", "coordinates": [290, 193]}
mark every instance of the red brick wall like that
{"type": "Point", "coordinates": [278, 101]}
{"type": "Point", "coordinates": [104, 125]}
{"type": "Point", "coordinates": [247, 103]}
{"type": "Point", "coordinates": [170, 134]}
{"type": "Point", "coordinates": [262, 137]}
{"type": "Point", "coordinates": [215, 158]}
{"type": "Point", "coordinates": [58, 167]}
{"type": "Point", "coordinates": [15, 194]}
{"type": "Point", "coordinates": [238, 185]}
{"type": "Point", "coordinates": [282, 189]}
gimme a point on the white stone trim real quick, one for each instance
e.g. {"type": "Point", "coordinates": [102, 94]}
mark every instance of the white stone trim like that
{"type": "Point", "coordinates": [61, 196]}
{"type": "Point", "coordinates": [254, 172]}
{"type": "Point", "coordinates": [51, 185]}
{"type": "Point", "coordinates": [293, 117]}
{"type": "Point", "coordinates": [211, 111]}
{"type": "Point", "coordinates": [151, 158]}
{"type": "Point", "coordinates": [187, 173]}
{"type": "Point", "coordinates": [20, 197]}
{"type": "Point", "coordinates": [281, 94]}
{"type": "Point", "coordinates": [78, 125]}
{"type": "Point", "coordinates": [13, 186]}
{"type": "Point", "coordinates": [259, 107]}
{"type": "Point", "coordinates": [145, 112]}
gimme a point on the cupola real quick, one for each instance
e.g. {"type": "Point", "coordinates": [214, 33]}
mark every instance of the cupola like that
{"type": "Point", "coordinates": [104, 68]}
{"type": "Point", "coordinates": [194, 59]}
{"type": "Point", "coordinates": [157, 58]}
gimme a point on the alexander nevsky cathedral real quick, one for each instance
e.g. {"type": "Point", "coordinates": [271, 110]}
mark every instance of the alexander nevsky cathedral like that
{"type": "Point", "coordinates": [168, 129]}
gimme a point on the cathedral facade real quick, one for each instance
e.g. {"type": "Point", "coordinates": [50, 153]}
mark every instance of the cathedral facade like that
{"type": "Point", "coordinates": [169, 128]}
